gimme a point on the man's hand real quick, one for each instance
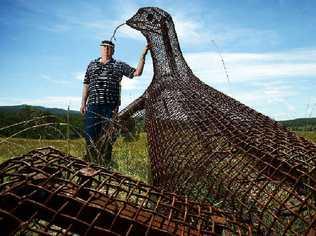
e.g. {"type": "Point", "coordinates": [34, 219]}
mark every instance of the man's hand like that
{"type": "Point", "coordinates": [83, 109]}
{"type": "Point", "coordinates": [148, 46]}
{"type": "Point", "coordinates": [115, 109]}
{"type": "Point", "coordinates": [115, 112]}
{"type": "Point", "coordinates": [85, 94]}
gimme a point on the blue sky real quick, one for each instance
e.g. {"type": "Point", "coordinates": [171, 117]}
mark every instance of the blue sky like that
{"type": "Point", "coordinates": [269, 48]}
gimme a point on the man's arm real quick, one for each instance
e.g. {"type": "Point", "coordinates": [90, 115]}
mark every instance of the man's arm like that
{"type": "Point", "coordinates": [85, 90]}
{"type": "Point", "coordinates": [85, 94]}
{"type": "Point", "coordinates": [141, 63]}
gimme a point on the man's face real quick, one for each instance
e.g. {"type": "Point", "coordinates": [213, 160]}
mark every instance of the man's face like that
{"type": "Point", "coordinates": [106, 51]}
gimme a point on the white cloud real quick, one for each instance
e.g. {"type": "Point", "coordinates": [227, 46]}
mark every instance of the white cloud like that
{"type": "Point", "coordinates": [268, 93]}
{"type": "Point", "coordinates": [128, 32]}
{"type": "Point", "coordinates": [55, 81]}
{"type": "Point", "coordinates": [102, 26]}
{"type": "Point", "coordinates": [49, 101]}
{"type": "Point", "coordinates": [55, 101]}
{"type": "Point", "coordinates": [129, 84]}
{"type": "Point", "coordinates": [56, 28]}
{"type": "Point", "coordinates": [271, 101]}
{"type": "Point", "coordinates": [311, 107]}
{"type": "Point", "coordinates": [190, 32]}
{"type": "Point", "coordinates": [4, 101]}
{"type": "Point", "coordinates": [243, 67]}
{"type": "Point", "coordinates": [133, 88]}
{"type": "Point", "coordinates": [79, 76]}
{"type": "Point", "coordinates": [194, 30]}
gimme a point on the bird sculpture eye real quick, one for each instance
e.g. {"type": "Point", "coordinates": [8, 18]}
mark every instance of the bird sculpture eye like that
{"type": "Point", "coordinates": [150, 17]}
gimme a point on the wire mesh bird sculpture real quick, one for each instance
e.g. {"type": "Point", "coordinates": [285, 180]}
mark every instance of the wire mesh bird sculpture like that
{"type": "Point", "coordinates": [209, 146]}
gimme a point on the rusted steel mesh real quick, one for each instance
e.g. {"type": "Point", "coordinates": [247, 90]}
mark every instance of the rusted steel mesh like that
{"type": "Point", "coordinates": [213, 148]}
{"type": "Point", "coordinates": [49, 193]}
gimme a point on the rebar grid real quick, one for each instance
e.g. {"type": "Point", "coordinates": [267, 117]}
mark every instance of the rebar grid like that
{"type": "Point", "coordinates": [47, 192]}
{"type": "Point", "coordinates": [213, 148]}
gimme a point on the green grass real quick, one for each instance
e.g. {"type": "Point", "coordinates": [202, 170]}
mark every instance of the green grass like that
{"type": "Point", "coordinates": [129, 157]}
{"type": "Point", "coordinates": [309, 135]}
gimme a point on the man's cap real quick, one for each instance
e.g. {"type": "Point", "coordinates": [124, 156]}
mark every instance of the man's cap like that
{"type": "Point", "coordinates": [107, 43]}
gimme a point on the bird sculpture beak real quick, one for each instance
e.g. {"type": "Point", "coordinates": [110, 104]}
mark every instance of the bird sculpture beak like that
{"type": "Point", "coordinates": [131, 22]}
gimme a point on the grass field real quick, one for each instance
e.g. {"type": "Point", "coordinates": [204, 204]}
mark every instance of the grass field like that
{"type": "Point", "coordinates": [309, 135]}
{"type": "Point", "coordinates": [129, 157]}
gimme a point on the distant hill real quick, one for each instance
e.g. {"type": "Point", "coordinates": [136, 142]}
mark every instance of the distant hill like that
{"type": "Point", "coordinates": [46, 123]}
{"type": "Point", "coordinates": [300, 124]}
{"type": "Point", "coordinates": [54, 111]}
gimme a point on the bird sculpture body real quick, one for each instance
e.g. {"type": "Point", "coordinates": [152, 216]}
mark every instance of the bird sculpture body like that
{"type": "Point", "coordinates": [209, 146]}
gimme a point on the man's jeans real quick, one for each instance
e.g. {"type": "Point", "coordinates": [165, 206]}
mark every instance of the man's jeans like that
{"type": "Point", "coordinates": [97, 117]}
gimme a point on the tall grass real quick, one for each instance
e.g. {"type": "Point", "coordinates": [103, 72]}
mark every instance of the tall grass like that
{"type": "Point", "coordinates": [309, 135]}
{"type": "Point", "coordinates": [129, 157]}
{"type": "Point", "coordinates": [18, 146]}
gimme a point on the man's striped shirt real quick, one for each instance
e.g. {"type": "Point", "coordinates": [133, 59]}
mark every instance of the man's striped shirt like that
{"type": "Point", "coordinates": [104, 81]}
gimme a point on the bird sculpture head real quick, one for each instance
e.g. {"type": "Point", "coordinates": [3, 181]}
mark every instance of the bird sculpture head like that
{"type": "Point", "coordinates": [148, 20]}
{"type": "Point", "coordinates": [158, 28]}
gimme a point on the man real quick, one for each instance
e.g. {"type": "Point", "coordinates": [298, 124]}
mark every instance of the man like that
{"type": "Point", "coordinates": [101, 92]}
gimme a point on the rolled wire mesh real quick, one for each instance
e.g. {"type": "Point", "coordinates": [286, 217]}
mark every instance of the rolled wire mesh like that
{"type": "Point", "coordinates": [209, 146]}
{"type": "Point", "coordinates": [46, 192]}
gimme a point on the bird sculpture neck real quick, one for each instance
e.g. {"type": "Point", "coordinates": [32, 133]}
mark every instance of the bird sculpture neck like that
{"type": "Point", "coordinates": [168, 60]}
